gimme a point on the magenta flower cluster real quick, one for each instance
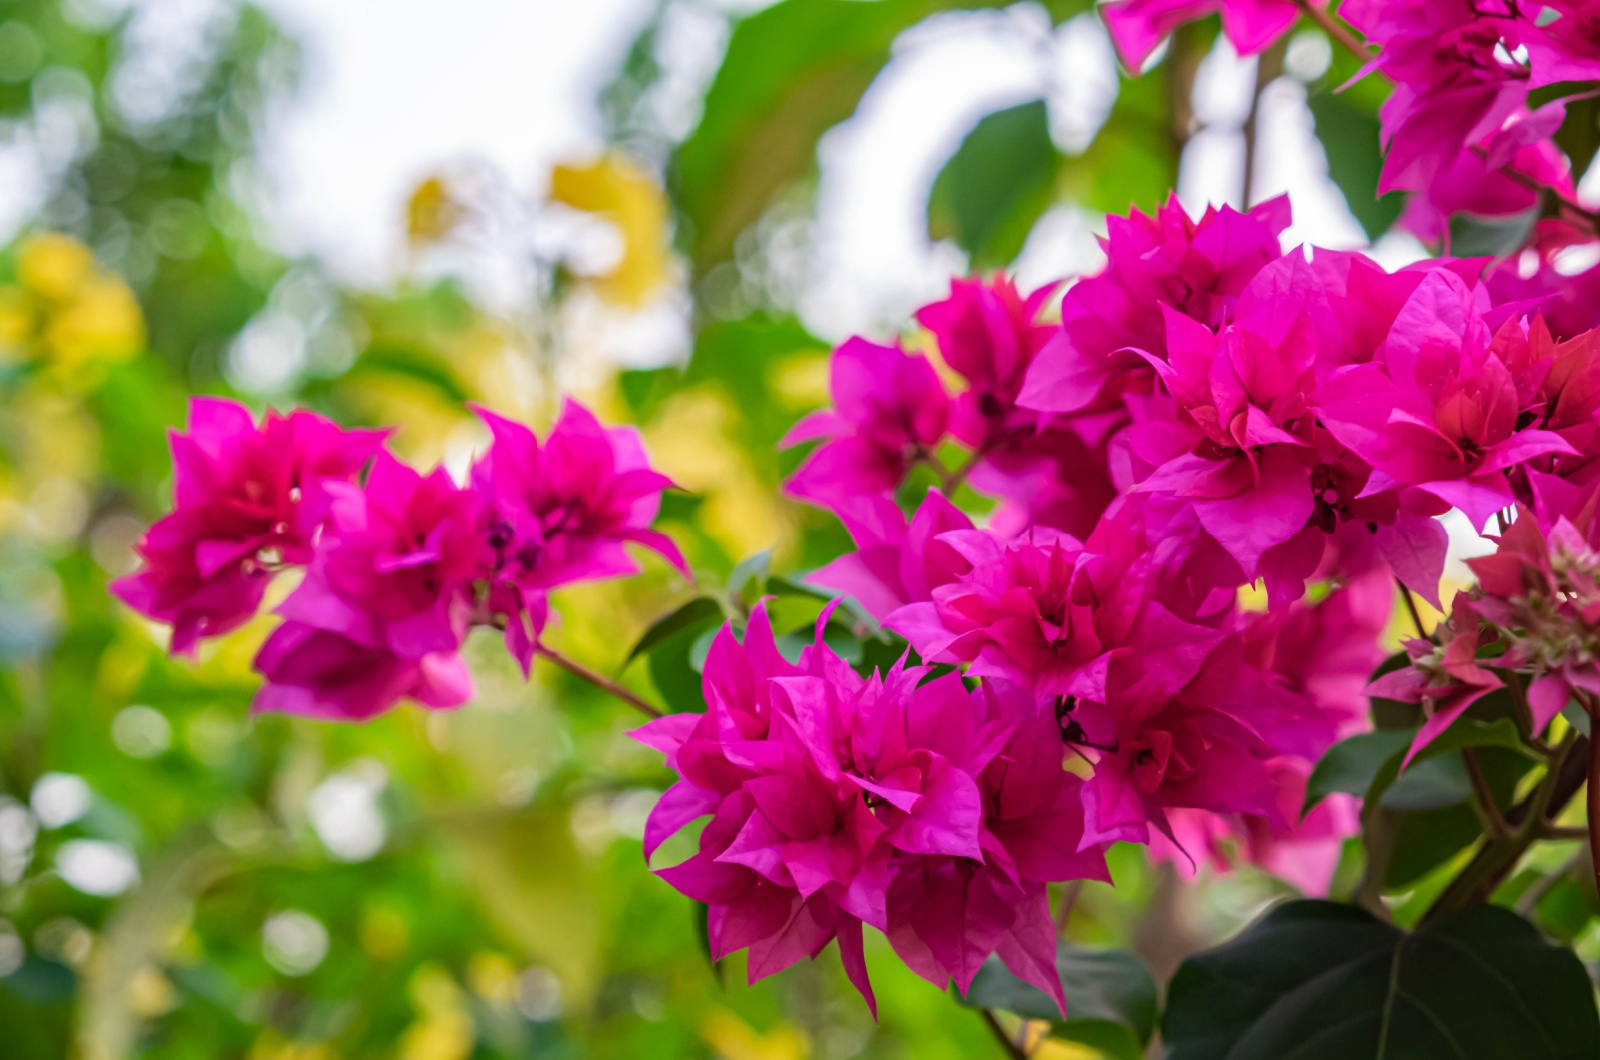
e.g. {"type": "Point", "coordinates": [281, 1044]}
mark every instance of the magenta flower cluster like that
{"type": "Point", "coordinates": [398, 566]}
{"type": "Point", "coordinates": [1206, 420]}
{"type": "Point", "coordinates": [1207, 412]}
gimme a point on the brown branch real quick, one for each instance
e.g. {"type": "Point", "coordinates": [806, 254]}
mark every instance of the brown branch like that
{"type": "Point", "coordinates": [1337, 30]}
{"type": "Point", "coordinates": [1012, 1049]}
{"type": "Point", "coordinates": [1411, 605]}
{"type": "Point", "coordinates": [1498, 825]}
{"type": "Point", "coordinates": [1269, 67]}
{"type": "Point", "coordinates": [605, 684]}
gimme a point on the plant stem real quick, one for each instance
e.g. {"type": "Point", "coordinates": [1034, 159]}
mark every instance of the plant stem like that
{"type": "Point", "coordinates": [1012, 1049]}
{"type": "Point", "coordinates": [1411, 605]}
{"type": "Point", "coordinates": [1337, 30]}
{"type": "Point", "coordinates": [1593, 798]}
{"type": "Point", "coordinates": [1498, 857]}
{"type": "Point", "coordinates": [953, 480]}
{"type": "Point", "coordinates": [1269, 67]}
{"type": "Point", "coordinates": [605, 684]}
{"type": "Point", "coordinates": [1485, 798]}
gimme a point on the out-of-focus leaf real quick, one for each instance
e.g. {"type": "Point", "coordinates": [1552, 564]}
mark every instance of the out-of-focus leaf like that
{"type": "Point", "coordinates": [696, 615]}
{"type": "Point", "coordinates": [748, 579]}
{"type": "Point", "coordinates": [996, 185]}
{"type": "Point", "coordinates": [1133, 160]}
{"type": "Point", "coordinates": [1324, 981]}
{"type": "Point", "coordinates": [411, 365]}
{"type": "Point", "coordinates": [1349, 135]}
{"type": "Point", "coordinates": [792, 71]}
{"type": "Point", "coordinates": [1490, 236]}
{"type": "Point", "coordinates": [1351, 765]}
{"type": "Point", "coordinates": [673, 671]}
{"type": "Point", "coordinates": [1111, 999]}
{"type": "Point", "coordinates": [1579, 135]}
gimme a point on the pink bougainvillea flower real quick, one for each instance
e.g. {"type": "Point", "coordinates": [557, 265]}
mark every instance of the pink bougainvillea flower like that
{"type": "Point", "coordinates": [947, 915]}
{"type": "Point", "coordinates": [1302, 851]}
{"type": "Point", "coordinates": [320, 674]}
{"type": "Point", "coordinates": [895, 563]}
{"type": "Point", "coordinates": [563, 512]}
{"type": "Point", "coordinates": [1470, 184]}
{"type": "Point", "coordinates": [1539, 277]}
{"type": "Point", "coordinates": [1563, 49]}
{"type": "Point", "coordinates": [1052, 478]}
{"type": "Point", "coordinates": [248, 497]}
{"type": "Point", "coordinates": [1138, 26]}
{"type": "Point", "coordinates": [1540, 588]}
{"type": "Point", "coordinates": [988, 332]}
{"type": "Point", "coordinates": [832, 794]}
{"type": "Point", "coordinates": [889, 409]}
{"type": "Point", "coordinates": [1043, 613]}
{"type": "Point", "coordinates": [1439, 411]}
{"type": "Point", "coordinates": [396, 562]}
{"type": "Point", "coordinates": [1243, 399]}
{"type": "Point", "coordinates": [1445, 679]}
{"type": "Point", "coordinates": [1196, 267]}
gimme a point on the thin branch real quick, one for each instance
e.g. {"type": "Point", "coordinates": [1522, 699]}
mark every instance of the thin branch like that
{"type": "Point", "coordinates": [1012, 1049]}
{"type": "Point", "coordinates": [1519, 698]}
{"type": "Point", "coordinates": [605, 684]}
{"type": "Point", "coordinates": [1594, 792]}
{"type": "Point", "coordinates": [1485, 798]}
{"type": "Point", "coordinates": [1559, 833]}
{"type": "Point", "coordinates": [1411, 605]}
{"type": "Point", "coordinates": [1337, 30]}
{"type": "Point", "coordinates": [1535, 893]}
{"type": "Point", "coordinates": [1269, 67]}
{"type": "Point", "coordinates": [953, 480]}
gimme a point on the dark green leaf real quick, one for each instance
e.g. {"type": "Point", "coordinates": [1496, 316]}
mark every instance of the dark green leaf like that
{"type": "Point", "coordinates": [1490, 236]}
{"type": "Point", "coordinates": [697, 614]}
{"type": "Point", "coordinates": [1111, 999]}
{"type": "Point", "coordinates": [1323, 981]}
{"type": "Point", "coordinates": [996, 185]}
{"type": "Point", "coordinates": [1351, 765]}
{"type": "Point", "coordinates": [1349, 135]}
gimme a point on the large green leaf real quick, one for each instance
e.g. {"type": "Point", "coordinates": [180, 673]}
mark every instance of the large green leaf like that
{"type": "Point", "coordinates": [1111, 999]}
{"type": "Point", "coordinates": [1323, 981]}
{"type": "Point", "coordinates": [1349, 135]}
{"type": "Point", "coordinates": [996, 185]}
{"type": "Point", "coordinates": [1351, 765]}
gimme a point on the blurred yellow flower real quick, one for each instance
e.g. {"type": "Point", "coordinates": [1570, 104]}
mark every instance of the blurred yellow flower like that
{"type": "Point", "coordinates": [67, 312]}
{"type": "Point", "coordinates": [493, 977]}
{"type": "Point", "coordinates": [432, 211]}
{"type": "Point", "coordinates": [271, 1045]}
{"type": "Point", "coordinates": [53, 265]}
{"type": "Point", "coordinates": [734, 1039]}
{"type": "Point", "coordinates": [622, 193]}
{"type": "Point", "coordinates": [102, 322]}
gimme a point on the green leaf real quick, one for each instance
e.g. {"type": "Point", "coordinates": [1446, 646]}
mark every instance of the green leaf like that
{"type": "Point", "coordinates": [748, 578]}
{"type": "Point", "coordinates": [1350, 766]}
{"type": "Point", "coordinates": [1318, 980]}
{"type": "Point", "coordinates": [998, 183]}
{"type": "Point", "coordinates": [1111, 999]}
{"type": "Point", "coordinates": [1349, 135]}
{"type": "Point", "coordinates": [411, 365]}
{"type": "Point", "coordinates": [697, 614]}
{"type": "Point", "coordinates": [1490, 236]}
{"type": "Point", "coordinates": [1133, 161]}
{"type": "Point", "coordinates": [792, 71]}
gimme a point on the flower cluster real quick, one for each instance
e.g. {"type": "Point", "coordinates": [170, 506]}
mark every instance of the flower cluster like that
{"type": "Point", "coordinates": [1208, 412]}
{"type": "Point", "coordinates": [398, 566]}
{"type": "Point", "coordinates": [900, 800]}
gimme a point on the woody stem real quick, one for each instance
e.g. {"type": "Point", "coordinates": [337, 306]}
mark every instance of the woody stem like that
{"type": "Point", "coordinates": [605, 684]}
{"type": "Point", "coordinates": [1336, 29]}
{"type": "Point", "coordinates": [1411, 605]}
{"type": "Point", "coordinates": [1012, 1049]}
